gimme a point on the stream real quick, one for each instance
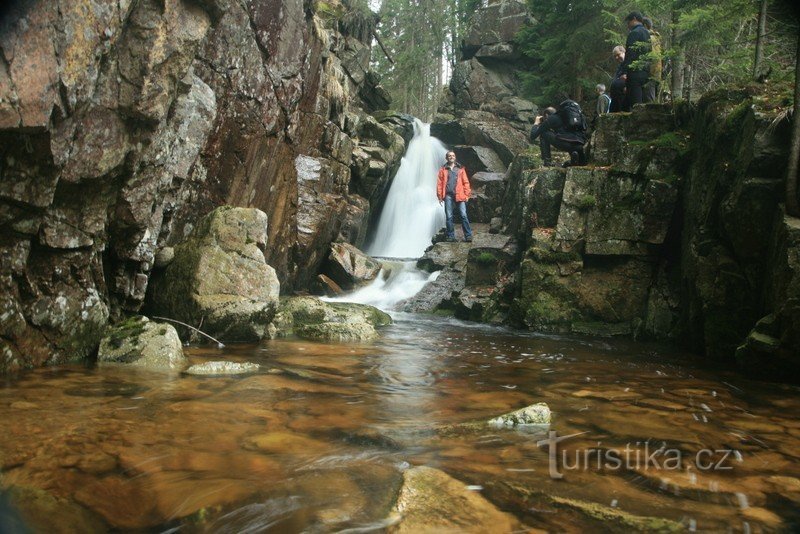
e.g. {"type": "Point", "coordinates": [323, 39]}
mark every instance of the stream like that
{"type": "Point", "coordinates": [643, 436]}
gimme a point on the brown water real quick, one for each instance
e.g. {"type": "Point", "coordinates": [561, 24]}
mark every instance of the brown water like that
{"type": "Point", "coordinates": [317, 441]}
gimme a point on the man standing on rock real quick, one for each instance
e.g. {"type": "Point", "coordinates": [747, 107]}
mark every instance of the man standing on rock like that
{"type": "Point", "coordinates": [635, 68]}
{"type": "Point", "coordinates": [453, 190]}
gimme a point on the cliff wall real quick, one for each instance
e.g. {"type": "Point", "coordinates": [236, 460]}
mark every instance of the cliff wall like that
{"type": "Point", "coordinates": [124, 122]}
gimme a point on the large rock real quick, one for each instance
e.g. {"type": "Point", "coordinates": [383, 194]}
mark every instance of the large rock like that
{"type": "Point", "coordinates": [614, 214]}
{"type": "Point", "coordinates": [311, 318]}
{"type": "Point", "coordinates": [432, 501]}
{"type": "Point", "coordinates": [535, 414]}
{"type": "Point", "coordinates": [143, 343]}
{"type": "Point", "coordinates": [349, 268]}
{"type": "Point", "coordinates": [498, 22]}
{"type": "Point", "coordinates": [487, 196]}
{"type": "Point", "coordinates": [219, 280]}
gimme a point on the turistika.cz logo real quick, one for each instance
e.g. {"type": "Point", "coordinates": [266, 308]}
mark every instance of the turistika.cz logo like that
{"type": "Point", "coordinates": [639, 456]}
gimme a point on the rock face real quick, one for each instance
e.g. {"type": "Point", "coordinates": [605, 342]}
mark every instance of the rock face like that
{"type": "Point", "coordinates": [219, 278]}
{"type": "Point", "coordinates": [432, 501]}
{"type": "Point", "coordinates": [143, 343]}
{"type": "Point", "coordinates": [311, 318]}
{"type": "Point", "coordinates": [123, 123]}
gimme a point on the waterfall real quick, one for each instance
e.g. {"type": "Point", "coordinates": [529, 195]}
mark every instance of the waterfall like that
{"type": "Point", "coordinates": [412, 215]}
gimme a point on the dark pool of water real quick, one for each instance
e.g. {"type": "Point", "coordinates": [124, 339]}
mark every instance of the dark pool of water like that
{"type": "Point", "coordinates": [318, 440]}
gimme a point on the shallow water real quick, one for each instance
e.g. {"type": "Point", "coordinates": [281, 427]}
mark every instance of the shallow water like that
{"type": "Point", "coordinates": [318, 439]}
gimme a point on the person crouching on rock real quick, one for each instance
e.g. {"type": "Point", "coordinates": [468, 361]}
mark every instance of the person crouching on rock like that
{"type": "Point", "coordinates": [453, 190]}
{"type": "Point", "coordinates": [564, 129]}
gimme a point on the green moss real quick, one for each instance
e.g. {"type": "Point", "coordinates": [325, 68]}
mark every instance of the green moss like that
{"type": "Point", "coordinates": [130, 328]}
{"type": "Point", "coordinates": [486, 258]}
{"type": "Point", "coordinates": [586, 202]}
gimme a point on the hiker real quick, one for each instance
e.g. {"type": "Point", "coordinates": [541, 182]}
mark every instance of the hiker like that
{"type": "Point", "coordinates": [603, 100]}
{"type": "Point", "coordinates": [635, 68]}
{"type": "Point", "coordinates": [617, 89]}
{"type": "Point", "coordinates": [563, 128]}
{"type": "Point", "coordinates": [453, 189]}
{"type": "Point", "coordinates": [653, 85]}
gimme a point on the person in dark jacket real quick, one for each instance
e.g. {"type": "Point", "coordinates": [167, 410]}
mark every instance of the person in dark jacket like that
{"type": "Point", "coordinates": [617, 89]}
{"type": "Point", "coordinates": [549, 129]}
{"type": "Point", "coordinates": [635, 68]}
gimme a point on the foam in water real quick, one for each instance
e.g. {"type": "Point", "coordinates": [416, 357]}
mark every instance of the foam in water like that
{"type": "Point", "coordinates": [411, 215]}
{"type": "Point", "coordinates": [396, 283]}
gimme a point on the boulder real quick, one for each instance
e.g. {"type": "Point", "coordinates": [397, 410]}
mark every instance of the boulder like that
{"type": "Point", "coordinates": [535, 414]}
{"type": "Point", "coordinates": [219, 277]}
{"type": "Point", "coordinates": [349, 268]}
{"type": "Point", "coordinates": [311, 318]}
{"type": "Point", "coordinates": [143, 343]}
{"type": "Point", "coordinates": [222, 368]}
{"type": "Point", "coordinates": [477, 159]}
{"type": "Point", "coordinates": [432, 501]}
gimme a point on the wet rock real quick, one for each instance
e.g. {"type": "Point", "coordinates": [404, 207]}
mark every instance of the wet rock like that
{"type": "Point", "coordinates": [348, 267]}
{"type": "Point", "coordinates": [37, 508]}
{"type": "Point", "coordinates": [222, 368]}
{"type": "Point", "coordinates": [325, 286]}
{"type": "Point", "coordinates": [432, 501]}
{"type": "Point", "coordinates": [311, 318]}
{"type": "Point", "coordinates": [219, 277]}
{"type": "Point", "coordinates": [621, 519]}
{"type": "Point", "coordinates": [535, 414]}
{"type": "Point", "coordinates": [143, 343]}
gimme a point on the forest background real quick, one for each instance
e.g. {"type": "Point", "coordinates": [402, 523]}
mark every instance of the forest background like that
{"type": "Point", "coordinates": [567, 46]}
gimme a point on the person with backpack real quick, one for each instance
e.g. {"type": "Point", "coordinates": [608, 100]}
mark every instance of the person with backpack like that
{"type": "Point", "coordinates": [653, 86]}
{"type": "Point", "coordinates": [563, 128]}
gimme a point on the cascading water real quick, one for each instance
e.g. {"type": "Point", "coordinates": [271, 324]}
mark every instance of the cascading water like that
{"type": "Point", "coordinates": [411, 216]}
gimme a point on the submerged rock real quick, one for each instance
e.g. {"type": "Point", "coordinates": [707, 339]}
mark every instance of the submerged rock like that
{"type": "Point", "coordinates": [535, 414]}
{"type": "Point", "coordinates": [432, 501]}
{"type": "Point", "coordinates": [143, 343]}
{"type": "Point", "coordinates": [311, 318]}
{"type": "Point", "coordinates": [623, 520]}
{"type": "Point", "coordinates": [222, 368]}
{"type": "Point", "coordinates": [219, 277]}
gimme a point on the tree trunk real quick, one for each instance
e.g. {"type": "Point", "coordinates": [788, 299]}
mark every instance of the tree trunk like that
{"type": "Point", "coordinates": [762, 30]}
{"type": "Point", "coordinates": [677, 61]}
{"type": "Point", "coordinates": [688, 81]}
{"type": "Point", "coordinates": [792, 207]}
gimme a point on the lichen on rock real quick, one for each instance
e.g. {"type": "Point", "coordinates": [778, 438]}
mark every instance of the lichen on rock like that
{"type": "Point", "coordinates": [312, 318]}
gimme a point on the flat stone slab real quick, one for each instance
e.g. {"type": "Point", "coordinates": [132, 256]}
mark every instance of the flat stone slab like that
{"type": "Point", "coordinates": [222, 368]}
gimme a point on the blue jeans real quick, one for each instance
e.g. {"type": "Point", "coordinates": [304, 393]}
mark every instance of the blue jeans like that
{"type": "Point", "coordinates": [449, 204]}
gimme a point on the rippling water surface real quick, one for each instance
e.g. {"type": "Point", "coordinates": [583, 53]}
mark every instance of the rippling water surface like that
{"type": "Point", "coordinates": [318, 440]}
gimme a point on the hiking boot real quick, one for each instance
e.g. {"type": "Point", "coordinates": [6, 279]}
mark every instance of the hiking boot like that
{"type": "Point", "coordinates": [451, 239]}
{"type": "Point", "coordinates": [574, 158]}
{"type": "Point", "coordinates": [548, 163]}
{"type": "Point", "coordinates": [468, 239]}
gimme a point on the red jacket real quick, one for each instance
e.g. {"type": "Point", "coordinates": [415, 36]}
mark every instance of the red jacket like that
{"type": "Point", "coordinates": [463, 188]}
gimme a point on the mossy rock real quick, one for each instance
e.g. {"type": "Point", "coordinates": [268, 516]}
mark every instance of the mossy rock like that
{"type": "Point", "coordinates": [140, 342]}
{"type": "Point", "coordinates": [312, 318]}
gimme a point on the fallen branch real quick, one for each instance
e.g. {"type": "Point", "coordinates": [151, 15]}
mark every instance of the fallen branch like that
{"type": "Point", "coordinates": [219, 343]}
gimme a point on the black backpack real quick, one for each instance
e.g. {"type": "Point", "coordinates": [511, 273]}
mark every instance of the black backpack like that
{"type": "Point", "coordinates": [572, 116]}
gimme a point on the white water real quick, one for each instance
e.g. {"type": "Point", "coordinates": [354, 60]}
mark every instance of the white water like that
{"type": "Point", "coordinates": [398, 281]}
{"type": "Point", "coordinates": [412, 215]}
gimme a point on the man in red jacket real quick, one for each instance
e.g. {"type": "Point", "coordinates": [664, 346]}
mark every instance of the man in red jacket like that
{"type": "Point", "coordinates": [453, 189]}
